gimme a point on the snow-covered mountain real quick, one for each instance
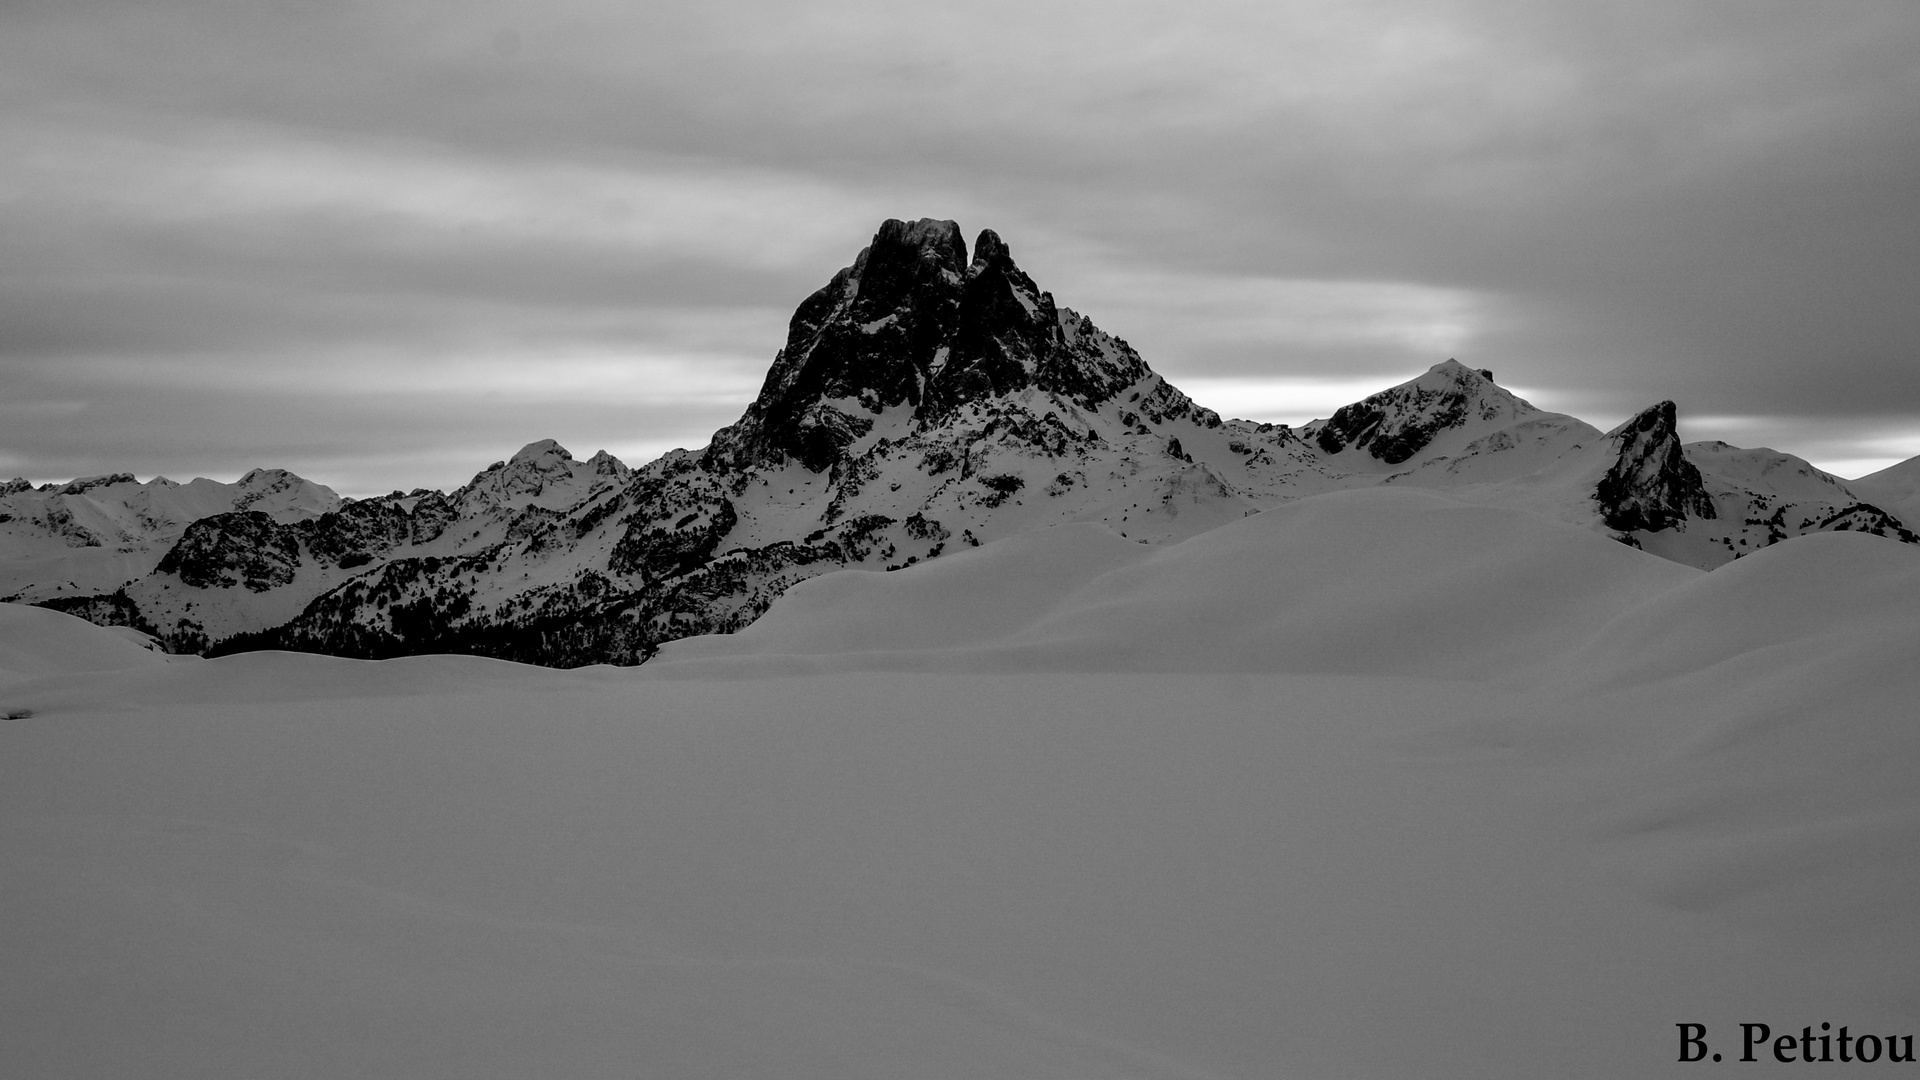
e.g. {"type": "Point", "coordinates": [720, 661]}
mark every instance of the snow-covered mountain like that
{"type": "Point", "coordinates": [244, 570]}
{"type": "Point", "coordinates": [924, 402]}
{"type": "Point", "coordinates": [93, 534]}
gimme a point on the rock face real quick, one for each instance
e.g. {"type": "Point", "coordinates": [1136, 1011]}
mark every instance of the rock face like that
{"type": "Point", "coordinates": [246, 548]}
{"type": "Point", "coordinates": [1652, 486]}
{"type": "Point", "coordinates": [924, 401]}
{"type": "Point", "coordinates": [913, 324]}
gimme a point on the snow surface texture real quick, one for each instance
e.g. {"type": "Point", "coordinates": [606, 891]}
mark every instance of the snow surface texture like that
{"type": "Point", "coordinates": [1378, 784]}
{"type": "Point", "coordinates": [924, 403]}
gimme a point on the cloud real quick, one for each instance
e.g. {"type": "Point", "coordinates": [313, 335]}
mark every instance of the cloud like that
{"type": "Point", "coordinates": [1292, 401]}
{"type": "Point", "coordinates": [1864, 446]}
{"type": "Point", "coordinates": [1707, 201]}
{"type": "Point", "coordinates": [1210, 322]}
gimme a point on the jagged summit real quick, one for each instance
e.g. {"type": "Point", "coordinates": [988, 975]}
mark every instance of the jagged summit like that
{"type": "Point", "coordinates": [912, 323]}
{"type": "Point", "coordinates": [541, 473]}
{"type": "Point", "coordinates": [1652, 485]}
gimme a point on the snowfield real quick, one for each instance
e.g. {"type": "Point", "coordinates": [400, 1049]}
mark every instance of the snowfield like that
{"type": "Point", "coordinates": [1374, 784]}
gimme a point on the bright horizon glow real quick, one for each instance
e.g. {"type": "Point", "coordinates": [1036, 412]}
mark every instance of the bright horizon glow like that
{"type": "Point", "coordinates": [1294, 401]}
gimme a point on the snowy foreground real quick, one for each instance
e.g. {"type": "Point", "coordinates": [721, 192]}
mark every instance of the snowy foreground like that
{"type": "Point", "coordinates": [1374, 784]}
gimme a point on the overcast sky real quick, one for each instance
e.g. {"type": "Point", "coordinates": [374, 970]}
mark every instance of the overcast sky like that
{"type": "Point", "coordinates": [384, 244]}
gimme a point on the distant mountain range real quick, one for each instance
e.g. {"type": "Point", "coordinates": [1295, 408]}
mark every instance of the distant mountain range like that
{"type": "Point", "coordinates": [924, 401]}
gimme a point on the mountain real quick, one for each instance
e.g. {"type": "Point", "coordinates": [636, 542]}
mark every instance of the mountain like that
{"type": "Point", "coordinates": [92, 534]}
{"type": "Point", "coordinates": [245, 571]}
{"type": "Point", "coordinates": [1450, 426]}
{"type": "Point", "coordinates": [1704, 504]}
{"type": "Point", "coordinates": [924, 401]}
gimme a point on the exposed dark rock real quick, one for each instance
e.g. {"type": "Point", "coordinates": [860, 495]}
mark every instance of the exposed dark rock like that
{"type": "Point", "coordinates": [911, 322]}
{"type": "Point", "coordinates": [919, 527]}
{"type": "Point", "coordinates": [870, 335]}
{"type": "Point", "coordinates": [1000, 488]}
{"type": "Point", "coordinates": [655, 550]}
{"type": "Point", "coordinates": [1651, 486]}
{"type": "Point", "coordinates": [430, 516]}
{"type": "Point", "coordinates": [359, 531]}
{"type": "Point", "coordinates": [89, 483]}
{"type": "Point", "coordinates": [245, 547]}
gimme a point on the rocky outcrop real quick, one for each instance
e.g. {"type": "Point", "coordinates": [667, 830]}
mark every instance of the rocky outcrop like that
{"type": "Point", "coordinates": [864, 343]}
{"type": "Point", "coordinates": [1651, 485]}
{"type": "Point", "coordinates": [246, 549]}
{"type": "Point", "coordinates": [362, 531]}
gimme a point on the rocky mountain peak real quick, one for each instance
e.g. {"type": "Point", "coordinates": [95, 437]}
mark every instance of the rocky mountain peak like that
{"type": "Point", "coordinates": [1399, 422]}
{"type": "Point", "coordinates": [1008, 332]}
{"type": "Point", "coordinates": [913, 323]}
{"type": "Point", "coordinates": [541, 474]}
{"type": "Point", "coordinates": [605, 464]}
{"type": "Point", "coordinates": [933, 241]}
{"type": "Point", "coordinates": [546, 455]}
{"type": "Point", "coordinates": [860, 345]}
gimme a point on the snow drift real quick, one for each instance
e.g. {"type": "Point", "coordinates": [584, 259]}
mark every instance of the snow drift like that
{"type": "Point", "coordinates": [1376, 784]}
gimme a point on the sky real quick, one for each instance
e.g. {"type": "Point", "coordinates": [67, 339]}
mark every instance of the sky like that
{"type": "Point", "coordinates": [385, 244]}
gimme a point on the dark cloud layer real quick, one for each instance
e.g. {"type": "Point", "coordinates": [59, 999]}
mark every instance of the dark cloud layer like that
{"type": "Point", "coordinates": [349, 238]}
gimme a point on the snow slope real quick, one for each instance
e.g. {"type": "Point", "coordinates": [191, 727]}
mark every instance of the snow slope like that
{"type": "Point", "coordinates": [1431, 851]}
{"type": "Point", "coordinates": [1895, 489]}
{"type": "Point", "coordinates": [36, 642]}
{"type": "Point", "coordinates": [1449, 589]}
